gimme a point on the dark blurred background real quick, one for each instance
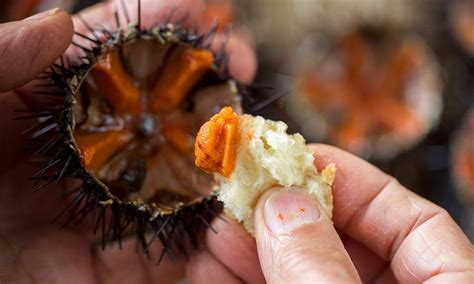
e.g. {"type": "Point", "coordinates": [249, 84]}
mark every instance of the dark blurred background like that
{"type": "Point", "coordinates": [426, 167]}
{"type": "Point", "coordinates": [289, 34]}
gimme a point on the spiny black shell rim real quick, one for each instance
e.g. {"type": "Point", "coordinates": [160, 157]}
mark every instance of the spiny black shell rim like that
{"type": "Point", "coordinates": [113, 123]}
{"type": "Point", "coordinates": [141, 151]}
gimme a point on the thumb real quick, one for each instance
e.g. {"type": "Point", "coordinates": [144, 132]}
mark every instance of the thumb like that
{"type": "Point", "coordinates": [29, 46]}
{"type": "Point", "coordinates": [297, 242]}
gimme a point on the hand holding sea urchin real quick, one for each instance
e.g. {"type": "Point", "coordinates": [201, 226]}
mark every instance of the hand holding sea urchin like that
{"type": "Point", "coordinates": [250, 154]}
{"type": "Point", "coordinates": [121, 122]}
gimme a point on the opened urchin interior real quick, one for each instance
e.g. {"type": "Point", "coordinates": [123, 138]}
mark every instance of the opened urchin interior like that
{"type": "Point", "coordinates": [371, 93]}
{"type": "Point", "coordinates": [123, 122]}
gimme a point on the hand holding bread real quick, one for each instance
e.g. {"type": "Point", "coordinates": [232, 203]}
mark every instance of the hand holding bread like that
{"type": "Point", "coordinates": [381, 226]}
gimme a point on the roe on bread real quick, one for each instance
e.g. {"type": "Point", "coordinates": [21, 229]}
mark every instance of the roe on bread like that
{"type": "Point", "coordinates": [250, 154]}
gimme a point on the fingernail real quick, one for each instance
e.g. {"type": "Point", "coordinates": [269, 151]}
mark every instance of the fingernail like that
{"type": "Point", "coordinates": [288, 209]}
{"type": "Point", "coordinates": [44, 14]}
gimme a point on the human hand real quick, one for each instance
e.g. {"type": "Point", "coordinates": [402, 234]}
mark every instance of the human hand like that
{"type": "Point", "coordinates": [31, 248]}
{"type": "Point", "coordinates": [383, 233]}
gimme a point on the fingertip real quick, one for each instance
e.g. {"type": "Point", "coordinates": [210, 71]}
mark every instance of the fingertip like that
{"type": "Point", "coordinates": [63, 19]}
{"type": "Point", "coordinates": [296, 241]}
{"type": "Point", "coordinates": [61, 30]}
{"type": "Point", "coordinates": [51, 34]}
{"type": "Point", "coordinates": [242, 61]}
{"type": "Point", "coordinates": [285, 210]}
{"type": "Point", "coordinates": [30, 46]}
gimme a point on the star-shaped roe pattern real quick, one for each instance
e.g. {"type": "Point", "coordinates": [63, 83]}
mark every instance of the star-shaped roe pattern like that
{"type": "Point", "coordinates": [143, 117]}
{"type": "Point", "coordinates": [366, 99]}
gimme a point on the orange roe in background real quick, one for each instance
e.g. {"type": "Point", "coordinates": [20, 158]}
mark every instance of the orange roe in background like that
{"type": "Point", "coordinates": [365, 98]}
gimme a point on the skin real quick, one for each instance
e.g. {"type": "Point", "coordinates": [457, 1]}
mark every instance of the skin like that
{"type": "Point", "coordinates": [382, 232]}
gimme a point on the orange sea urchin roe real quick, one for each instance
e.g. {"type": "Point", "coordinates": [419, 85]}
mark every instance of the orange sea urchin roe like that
{"type": "Point", "coordinates": [217, 143]}
{"type": "Point", "coordinates": [178, 138]}
{"type": "Point", "coordinates": [115, 85]}
{"type": "Point", "coordinates": [137, 114]}
{"type": "Point", "coordinates": [367, 98]}
{"type": "Point", "coordinates": [183, 70]}
{"type": "Point", "coordinates": [97, 148]}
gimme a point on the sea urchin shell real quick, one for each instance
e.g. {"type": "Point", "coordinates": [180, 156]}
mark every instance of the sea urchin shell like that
{"type": "Point", "coordinates": [123, 122]}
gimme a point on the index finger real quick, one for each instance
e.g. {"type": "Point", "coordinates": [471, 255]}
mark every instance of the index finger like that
{"type": "Point", "coordinates": [420, 238]}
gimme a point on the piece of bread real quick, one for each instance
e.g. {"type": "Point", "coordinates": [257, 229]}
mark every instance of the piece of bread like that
{"type": "Point", "coordinates": [250, 155]}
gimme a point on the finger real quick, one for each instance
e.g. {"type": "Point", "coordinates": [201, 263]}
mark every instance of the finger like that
{"type": "Point", "coordinates": [241, 57]}
{"type": "Point", "coordinates": [434, 249]}
{"type": "Point", "coordinates": [130, 265]}
{"type": "Point", "coordinates": [236, 249]}
{"type": "Point", "coordinates": [219, 12]}
{"type": "Point", "coordinates": [297, 243]}
{"type": "Point", "coordinates": [367, 263]}
{"type": "Point", "coordinates": [203, 267]}
{"type": "Point", "coordinates": [28, 47]}
{"type": "Point", "coordinates": [416, 235]}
